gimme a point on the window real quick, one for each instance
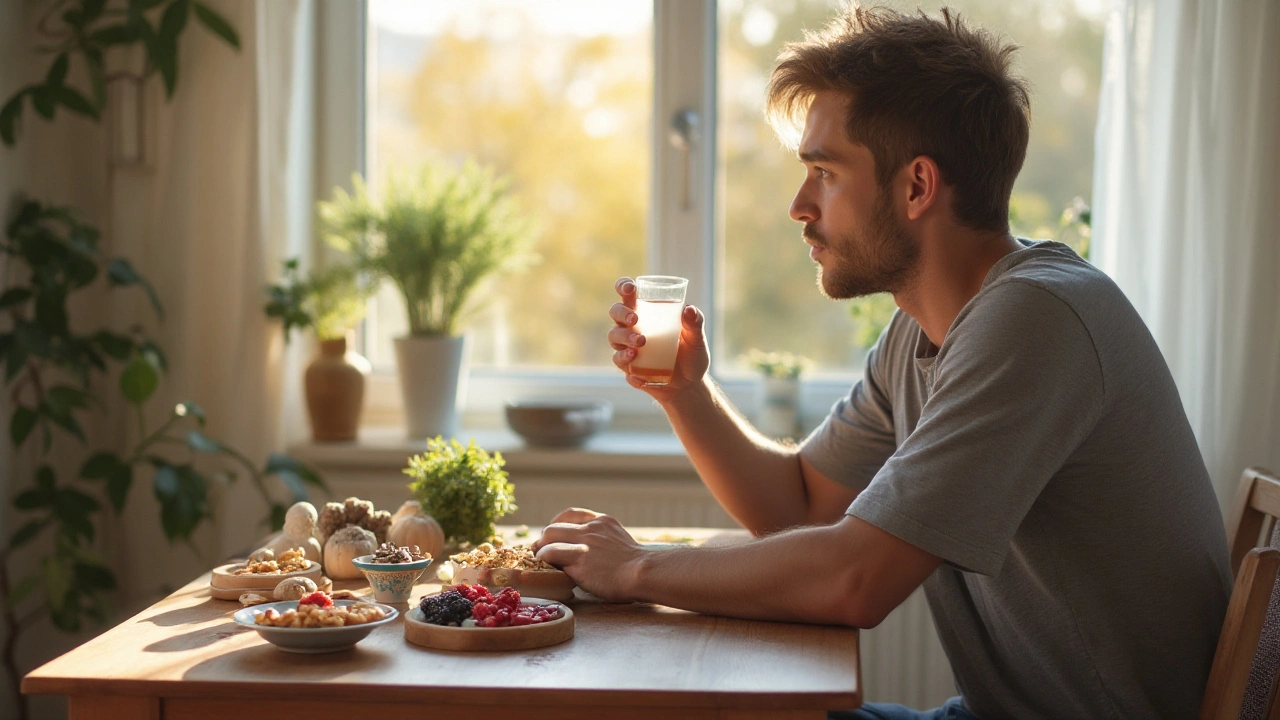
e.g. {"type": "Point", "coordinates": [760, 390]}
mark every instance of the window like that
{"type": "Point", "coordinates": [577, 101]}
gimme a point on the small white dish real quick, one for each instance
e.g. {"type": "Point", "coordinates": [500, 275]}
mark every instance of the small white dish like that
{"type": "Point", "coordinates": [311, 640]}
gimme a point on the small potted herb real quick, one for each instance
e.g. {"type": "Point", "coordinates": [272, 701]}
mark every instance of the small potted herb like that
{"type": "Point", "coordinates": [779, 414]}
{"type": "Point", "coordinates": [464, 488]}
{"type": "Point", "coordinates": [329, 302]}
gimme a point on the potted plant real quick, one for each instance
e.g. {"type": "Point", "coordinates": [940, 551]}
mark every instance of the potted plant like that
{"type": "Point", "coordinates": [330, 302]}
{"type": "Point", "coordinates": [436, 236]}
{"type": "Point", "coordinates": [464, 488]}
{"type": "Point", "coordinates": [779, 414]}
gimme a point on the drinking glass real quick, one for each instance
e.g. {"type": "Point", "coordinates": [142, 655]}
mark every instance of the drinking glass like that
{"type": "Point", "coordinates": [659, 305]}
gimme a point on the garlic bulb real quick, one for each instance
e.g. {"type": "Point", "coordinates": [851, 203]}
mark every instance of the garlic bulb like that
{"type": "Point", "coordinates": [345, 545]}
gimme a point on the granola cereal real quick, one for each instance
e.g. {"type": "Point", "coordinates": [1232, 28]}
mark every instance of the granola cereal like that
{"type": "Point", "coordinates": [288, 561]}
{"type": "Point", "coordinates": [515, 557]}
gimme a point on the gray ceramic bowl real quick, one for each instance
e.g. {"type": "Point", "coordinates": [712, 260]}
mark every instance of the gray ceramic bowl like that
{"type": "Point", "coordinates": [558, 423]}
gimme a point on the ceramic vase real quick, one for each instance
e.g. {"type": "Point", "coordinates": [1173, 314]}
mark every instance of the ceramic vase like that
{"type": "Point", "coordinates": [779, 407]}
{"type": "Point", "coordinates": [334, 383]}
{"type": "Point", "coordinates": [433, 374]}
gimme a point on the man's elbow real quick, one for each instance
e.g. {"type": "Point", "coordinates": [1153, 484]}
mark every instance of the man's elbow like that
{"type": "Point", "coordinates": [858, 603]}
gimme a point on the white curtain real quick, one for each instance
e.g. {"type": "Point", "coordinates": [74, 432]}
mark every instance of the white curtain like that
{"type": "Point", "coordinates": [224, 195]}
{"type": "Point", "coordinates": [1187, 208]}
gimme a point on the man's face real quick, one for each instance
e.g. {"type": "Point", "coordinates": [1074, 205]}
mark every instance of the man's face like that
{"type": "Point", "coordinates": [849, 220]}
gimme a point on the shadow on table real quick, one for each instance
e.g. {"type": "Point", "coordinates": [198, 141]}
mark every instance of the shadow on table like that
{"type": "Point", "coordinates": [204, 637]}
{"type": "Point", "coordinates": [191, 615]}
{"type": "Point", "coordinates": [264, 661]}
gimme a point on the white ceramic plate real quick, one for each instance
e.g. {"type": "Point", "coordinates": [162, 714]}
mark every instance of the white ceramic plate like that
{"type": "Point", "coordinates": [311, 640]}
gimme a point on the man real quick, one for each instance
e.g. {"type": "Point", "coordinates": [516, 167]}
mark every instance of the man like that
{"type": "Point", "coordinates": [1016, 444]}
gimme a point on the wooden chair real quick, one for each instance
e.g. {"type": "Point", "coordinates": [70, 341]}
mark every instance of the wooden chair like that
{"type": "Point", "coordinates": [1253, 518]}
{"type": "Point", "coordinates": [1242, 682]}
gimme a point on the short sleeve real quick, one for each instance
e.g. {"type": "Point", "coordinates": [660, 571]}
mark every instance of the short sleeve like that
{"type": "Point", "coordinates": [1018, 388]}
{"type": "Point", "coordinates": [857, 436]}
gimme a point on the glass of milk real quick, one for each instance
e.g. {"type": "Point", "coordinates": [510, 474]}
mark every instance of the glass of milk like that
{"type": "Point", "coordinates": [659, 304]}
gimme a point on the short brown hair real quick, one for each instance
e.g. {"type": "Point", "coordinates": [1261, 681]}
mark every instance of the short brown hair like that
{"type": "Point", "coordinates": [917, 85]}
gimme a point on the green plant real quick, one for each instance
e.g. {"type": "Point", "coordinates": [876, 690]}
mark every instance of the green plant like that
{"type": "Point", "coordinates": [778, 364]}
{"type": "Point", "coordinates": [330, 301]}
{"type": "Point", "coordinates": [436, 236]}
{"type": "Point", "coordinates": [52, 375]}
{"type": "Point", "coordinates": [87, 30]}
{"type": "Point", "coordinates": [464, 489]}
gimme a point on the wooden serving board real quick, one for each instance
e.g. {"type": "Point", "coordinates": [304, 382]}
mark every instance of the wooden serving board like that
{"type": "Point", "coordinates": [525, 637]}
{"type": "Point", "coordinates": [224, 584]}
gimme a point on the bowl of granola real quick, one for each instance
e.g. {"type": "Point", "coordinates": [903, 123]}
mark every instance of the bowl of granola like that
{"type": "Point", "coordinates": [515, 566]}
{"type": "Point", "coordinates": [315, 624]}
{"type": "Point", "coordinates": [392, 571]}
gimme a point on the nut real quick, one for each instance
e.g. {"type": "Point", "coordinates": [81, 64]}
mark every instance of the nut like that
{"type": "Point", "coordinates": [294, 588]}
{"type": "Point", "coordinates": [247, 599]}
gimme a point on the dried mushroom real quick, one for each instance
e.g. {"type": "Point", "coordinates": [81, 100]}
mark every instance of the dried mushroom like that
{"type": "Point", "coordinates": [354, 511]}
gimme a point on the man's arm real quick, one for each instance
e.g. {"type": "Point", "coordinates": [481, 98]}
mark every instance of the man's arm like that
{"type": "Point", "coordinates": [764, 485]}
{"type": "Point", "coordinates": [848, 573]}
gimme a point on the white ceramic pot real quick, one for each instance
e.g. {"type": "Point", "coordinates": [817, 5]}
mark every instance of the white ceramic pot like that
{"type": "Point", "coordinates": [780, 407]}
{"type": "Point", "coordinates": [433, 374]}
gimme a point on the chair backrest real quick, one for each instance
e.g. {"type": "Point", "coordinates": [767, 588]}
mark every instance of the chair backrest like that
{"type": "Point", "coordinates": [1242, 683]}
{"type": "Point", "coordinates": [1253, 518]}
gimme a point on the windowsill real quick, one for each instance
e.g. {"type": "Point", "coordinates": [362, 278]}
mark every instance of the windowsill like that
{"type": "Point", "coordinates": [615, 451]}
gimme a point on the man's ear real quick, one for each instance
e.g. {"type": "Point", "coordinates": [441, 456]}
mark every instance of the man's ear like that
{"type": "Point", "coordinates": [924, 185]}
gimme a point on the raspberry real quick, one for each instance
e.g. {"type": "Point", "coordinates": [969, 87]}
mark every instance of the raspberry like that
{"type": "Point", "coordinates": [317, 598]}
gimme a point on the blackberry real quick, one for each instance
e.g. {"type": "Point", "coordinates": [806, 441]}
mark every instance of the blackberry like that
{"type": "Point", "coordinates": [447, 608]}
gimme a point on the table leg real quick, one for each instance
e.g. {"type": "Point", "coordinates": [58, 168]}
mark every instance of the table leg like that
{"type": "Point", "coordinates": [113, 707]}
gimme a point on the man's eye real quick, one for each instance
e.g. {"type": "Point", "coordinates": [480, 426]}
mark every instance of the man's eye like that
{"type": "Point", "coordinates": [822, 172]}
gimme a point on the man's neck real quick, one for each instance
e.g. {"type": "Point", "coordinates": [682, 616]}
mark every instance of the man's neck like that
{"type": "Point", "coordinates": [951, 272]}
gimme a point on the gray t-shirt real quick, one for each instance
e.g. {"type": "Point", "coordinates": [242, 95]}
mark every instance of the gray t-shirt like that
{"type": "Point", "coordinates": [1042, 452]}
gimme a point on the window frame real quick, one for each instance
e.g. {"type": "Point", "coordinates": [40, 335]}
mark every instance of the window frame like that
{"type": "Point", "coordinates": [685, 77]}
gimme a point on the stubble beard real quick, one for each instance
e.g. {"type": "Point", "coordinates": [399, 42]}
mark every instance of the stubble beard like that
{"type": "Point", "coordinates": [880, 258]}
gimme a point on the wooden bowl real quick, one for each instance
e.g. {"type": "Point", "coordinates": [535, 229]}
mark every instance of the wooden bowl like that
{"type": "Point", "coordinates": [545, 584]}
{"type": "Point", "coordinates": [524, 637]}
{"type": "Point", "coordinates": [558, 423]}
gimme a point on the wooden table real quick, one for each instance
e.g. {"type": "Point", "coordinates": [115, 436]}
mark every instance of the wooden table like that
{"type": "Point", "coordinates": [184, 658]}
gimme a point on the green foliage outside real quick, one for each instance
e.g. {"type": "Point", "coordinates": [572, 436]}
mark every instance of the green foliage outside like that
{"type": "Point", "coordinates": [464, 489]}
{"type": "Point", "coordinates": [330, 301]}
{"type": "Point", "coordinates": [526, 106]}
{"type": "Point", "coordinates": [435, 236]}
{"type": "Point", "coordinates": [778, 364]}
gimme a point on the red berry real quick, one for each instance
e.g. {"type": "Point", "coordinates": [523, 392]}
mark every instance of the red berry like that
{"type": "Point", "coordinates": [317, 598]}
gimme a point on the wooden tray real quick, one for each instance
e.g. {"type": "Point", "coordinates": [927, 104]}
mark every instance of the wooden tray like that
{"type": "Point", "coordinates": [224, 584]}
{"type": "Point", "coordinates": [546, 584]}
{"type": "Point", "coordinates": [443, 637]}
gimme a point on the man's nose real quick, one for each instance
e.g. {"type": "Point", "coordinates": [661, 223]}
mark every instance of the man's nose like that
{"type": "Point", "coordinates": [803, 210]}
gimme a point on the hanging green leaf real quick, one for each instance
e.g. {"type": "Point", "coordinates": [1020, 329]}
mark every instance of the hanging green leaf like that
{"type": "Point", "coordinates": [9, 115]}
{"type": "Point", "coordinates": [120, 273]}
{"type": "Point", "coordinates": [138, 381]}
{"type": "Point", "coordinates": [122, 34]}
{"type": "Point", "coordinates": [217, 24]}
{"type": "Point", "coordinates": [94, 576]}
{"type": "Point", "coordinates": [43, 101]}
{"type": "Point", "coordinates": [200, 442]}
{"type": "Point", "coordinates": [278, 463]}
{"type": "Point", "coordinates": [58, 71]}
{"type": "Point", "coordinates": [183, 494]}
{"type": "Point", "coordinates": [14, 296]}
{"type": "Point", "coordinates": [91, 9]}
{"type": "Point", "coordinates": [27, 533]}
{"type": "Point", "coordinates": [23, 589]}
{"type": "Point", "coordinates": [75, 102]}
{"type": "Point", "coordinates": [114, 345]}
{"type": "Point", "coordinates": [275, 519]}
{"type": "Point", "coordinates": [21, 424]}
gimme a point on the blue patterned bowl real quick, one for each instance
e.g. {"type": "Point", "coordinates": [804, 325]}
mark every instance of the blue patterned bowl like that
{"type": "Point", "coordinates": [391, 582]}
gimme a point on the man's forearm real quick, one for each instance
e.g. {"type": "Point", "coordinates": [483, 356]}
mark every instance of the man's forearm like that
{"type": "Point", "coordinates": [758, 481]}
{"type": "Point", "coordinates": [744, 580]}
